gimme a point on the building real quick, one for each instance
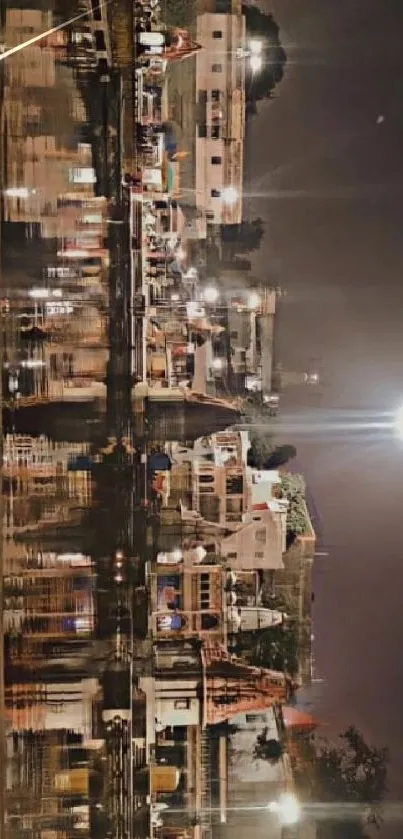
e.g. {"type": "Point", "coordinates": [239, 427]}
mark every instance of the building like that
{"type": "Point", "coordinates": [205, 685]}
{"type": "Point", "coordinates": [216, 485]}
{"type": "Point", "coordinates": [42, 109]}
{"type": "Point", "coordinates": [188, 602]}
{"type": "Point", "coordinates": [266, 494]}
{"type": "Point", "coordinates": [257, 543]}
{"type": "Point", "coordinates": [44, 484]}
{"type": "Point", "coordinates": [220, 88]}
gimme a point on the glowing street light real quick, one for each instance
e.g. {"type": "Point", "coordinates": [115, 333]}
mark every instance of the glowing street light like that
{"type": "Point", "coordinates": [211, 294]}
{"type": "Point", "coordinates": [19, 192]}
{"type": "Point", "coordinates": [256, 46]}
{"type": "Point", "coordinates": [255, 63]}
{"type": "Point", "coordinates": [254, 300]}
{"type": "Point", "coordinates": [398, 423]}
{"type": "Point", "coordinates": [287, 808]}
{"type": "Point", "coordinates": [217, 364]}
{"type": "Point", "coordinates": [229, 195]}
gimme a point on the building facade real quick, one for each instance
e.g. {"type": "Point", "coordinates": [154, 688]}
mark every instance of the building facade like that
{"type": "Point", "coordinates": [220, 85]}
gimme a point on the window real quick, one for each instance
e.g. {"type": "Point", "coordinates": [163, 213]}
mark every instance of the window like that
{"type": "Point", "coordinates": [96, 10]}
{"type": "Point", "coordinates": [216, 160]}
{"type": "Point", "coordinates": [234, 485]}
{"type": "Point", "coordinates": [100, 41]}
{"type": "Point", "coordinates": [215, 132]}
{"type": "Point", "coordinates": [259, 555]}
{"type": "Point", "coordinates": [217, 34]}
{"type": "Point", "coordinates": [182, 704]}
{"type": "Point", "coordinates": [216, 68]}
{"type": "Point", "coordinates": [82, 175]}
{"type": "Point", "coordinates": [204, 591]}
{"type": "Point", "coordinates": [216, 95]}
{"type": "Point", "coordinates": [232, 555]}
{"type": "Point", "coordinates": [215, 193]}
{"type": "Point", "coordinates": [202, 131]}
{"type": "Point", "coordinates": [206, 479]}
{"type": "Point", "coordinates": [260, 536]}
{"type": "Point", "coordinates": [255, 717]}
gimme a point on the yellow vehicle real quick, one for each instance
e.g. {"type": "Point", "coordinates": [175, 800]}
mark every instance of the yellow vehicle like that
{"type": "Point", "coordinates": [72, 781]}
{"type": "Point", "coordinates": [164, 778]}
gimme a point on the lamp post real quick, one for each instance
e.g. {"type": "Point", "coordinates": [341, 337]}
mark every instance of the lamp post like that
{"type": "Point", "coordinates": [287, 808]}
{"type": "Point", "coordinates": [254, 53]}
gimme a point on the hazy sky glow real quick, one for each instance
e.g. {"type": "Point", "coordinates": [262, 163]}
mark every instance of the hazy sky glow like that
{"type": "Point", "coordinates": [331, 172]}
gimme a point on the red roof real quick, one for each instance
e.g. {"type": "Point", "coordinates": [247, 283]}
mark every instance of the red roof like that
{"type": "Point", "coordinates": [293, 718]}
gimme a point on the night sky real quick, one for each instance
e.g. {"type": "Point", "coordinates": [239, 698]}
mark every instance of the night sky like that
{"type": "Point", "coordinates": [330, 175]}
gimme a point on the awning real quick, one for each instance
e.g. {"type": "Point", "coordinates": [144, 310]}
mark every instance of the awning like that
{"type": "Point", "coordinates": [298, 720]}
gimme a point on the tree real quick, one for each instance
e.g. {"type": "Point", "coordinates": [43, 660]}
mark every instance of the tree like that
{"type": "Point", "coordinates": [264, 27]}
{"type": "Point", "coordinates": [244, 237]}
{"type": "Point", "coordinates": [262, 454]}
{"type": "Point", "coordinates": [260, 450]}
{"type": "Point", "coordinates": [277, 648]}
{"type": "Point", "coordinates": [280, 456]}
{"type": "Point", "coordinates": [293, 488]}
{"type": "Point", "coordinates": [353, 773]}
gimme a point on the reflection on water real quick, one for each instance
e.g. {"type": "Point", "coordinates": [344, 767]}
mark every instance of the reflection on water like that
{"type": "Point", "coordinates": [132, 558]}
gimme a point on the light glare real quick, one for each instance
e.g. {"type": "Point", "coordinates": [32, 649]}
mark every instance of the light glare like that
{"type": "Point", "coordinates": [229, 195]}
{"type": "Point", "coordinates": [211, 294]}
{"type": "Point", "coordinates": [287, 808]}
{"type": "Point", "coordinates": [256, 63]}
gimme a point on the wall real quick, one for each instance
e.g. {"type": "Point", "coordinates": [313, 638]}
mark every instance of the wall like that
{"type": "Point", "coordinates": [244, 550]}
{"type": "Point", "coordinates": [220, 88]}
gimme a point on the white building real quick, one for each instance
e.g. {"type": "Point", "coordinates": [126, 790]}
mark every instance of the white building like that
{"type": "Point", "coordinates": [220, 85]}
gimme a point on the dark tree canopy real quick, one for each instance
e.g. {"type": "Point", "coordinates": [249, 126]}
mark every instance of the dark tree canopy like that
{"type": "Point", "coordinates": [260, 451]}
{"type": "Point", "coordinates": [352, 773]}
{"type": "Point", "coordinates": [278, 648]}
{"type": "Point", "coordinates": [245, 237]}
{"type": "Point", "coordinates": [280, 456]}
{"type": "Point", "coordinates": [264, 27]}
{"type": "Point", "coordinates": [264, 455]}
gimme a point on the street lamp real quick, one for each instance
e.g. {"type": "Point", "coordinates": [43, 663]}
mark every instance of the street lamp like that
{"type": "Point", "coordinates": [398, 423]}
{"type": "Point", "coordinates": [19, 192]}
{"type": "Point", "coordinates": [211, 294]}
{"type": "Point", "coordinates": [229, 195]}
{"type": "Point", "coordinates": [255, 63]}
{"type": "Point", "coordinates": [256, 46]}
{"type": "Point", "coordinates": [287, 808]}
{"type": "Point", "coordinates": [254, 300]}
